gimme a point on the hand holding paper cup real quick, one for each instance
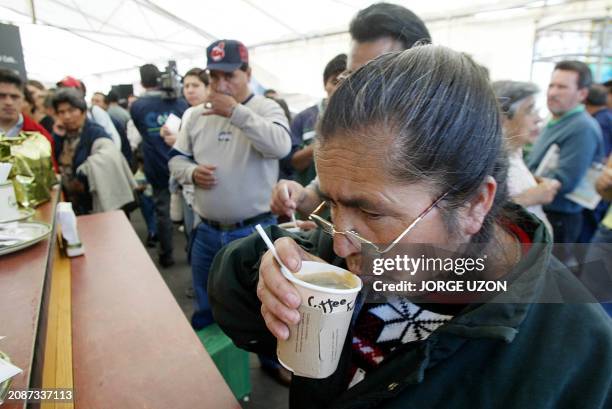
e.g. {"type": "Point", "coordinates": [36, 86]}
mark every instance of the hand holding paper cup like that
{"type": "Point", "coordinates": [328, 295]}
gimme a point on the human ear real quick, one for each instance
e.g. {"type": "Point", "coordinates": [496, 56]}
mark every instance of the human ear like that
{"type": "Point", "coordinates": [479, 206]}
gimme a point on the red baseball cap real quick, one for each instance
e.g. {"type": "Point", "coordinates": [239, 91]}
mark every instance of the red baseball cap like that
{"type": "Point", "coordinates": [70, 82]}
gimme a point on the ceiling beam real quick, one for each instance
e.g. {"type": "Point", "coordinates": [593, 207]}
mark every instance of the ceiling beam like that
{"type": "Point", "coordinates": [97, 20]}
{"type": "Point", "coordinates": [166, 14]}
{"type": "Point", "coordinates": [273, 18]}
{"type": "Point", "coordinates": [32, 11]}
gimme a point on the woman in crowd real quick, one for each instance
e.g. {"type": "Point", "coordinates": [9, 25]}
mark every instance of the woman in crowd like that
{"type": "Point", "coordinates": [411, 150]}
{"type": "Point", "coordinates": [39, 93]}
{"type": "Point", "coordinates": [520, 127]}
{"type": "Point", "coordinates": [195, 90]}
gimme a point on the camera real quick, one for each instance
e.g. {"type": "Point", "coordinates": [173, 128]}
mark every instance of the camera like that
{"type": "Point", "coordinates": [170, 81]}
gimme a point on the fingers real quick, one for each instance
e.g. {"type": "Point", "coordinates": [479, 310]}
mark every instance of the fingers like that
{"type": "Point", "coordinates": [555, 185]}
{"type": "Point", "coordinates": [275, 282]}
{"type": "Point", "coordinates": [279, 298]}
{"type": "Point", "coordinates": [205, 182]}
{"type": "Point", "coordinates": [306, 225]}
{"type": "Point", "coordinates": [290, 253]}
{"type": "Point", "coordinates": [276, 327]}
{"type": "Point", "coordinates": [277, 316]}
{"type": "Point", "coordinates": [208, 170]}
{"type": "Point", "coordinates": [282, 202]}
{"type": "Point", "coordinates": [204, 176]}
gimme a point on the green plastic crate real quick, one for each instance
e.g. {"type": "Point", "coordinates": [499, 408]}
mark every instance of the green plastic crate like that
{"type": "Point", "coordinates": [232, 362]}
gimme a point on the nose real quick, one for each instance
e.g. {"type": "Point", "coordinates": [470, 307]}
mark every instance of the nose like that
{"type": "Point", "coordinates": [343, 247]}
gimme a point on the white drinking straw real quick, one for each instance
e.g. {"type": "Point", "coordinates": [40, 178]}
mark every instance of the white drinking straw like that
{"type": "Point", "coordinates": [286, 272]}
{"type": "Point", "coordinates": [293, 219]}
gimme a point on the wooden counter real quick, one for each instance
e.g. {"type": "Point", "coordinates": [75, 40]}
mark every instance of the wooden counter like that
{"type": "Point", "coordinates": [132, 346]}
{"type": "Point", "coordinates": [104, 324]}
{"type": "Point", "coordinates": [22, 280]}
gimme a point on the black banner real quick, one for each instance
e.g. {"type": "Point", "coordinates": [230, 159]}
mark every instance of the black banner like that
{"type": "Point", "coordinates": [11, 53]}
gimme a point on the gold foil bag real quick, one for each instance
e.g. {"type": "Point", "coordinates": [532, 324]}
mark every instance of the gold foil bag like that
{"type": "Point", "coordinates": [32, 173]}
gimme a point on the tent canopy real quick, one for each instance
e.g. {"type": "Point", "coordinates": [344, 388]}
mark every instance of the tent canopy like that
{"type": "Point", "coordinates": [290, 41]}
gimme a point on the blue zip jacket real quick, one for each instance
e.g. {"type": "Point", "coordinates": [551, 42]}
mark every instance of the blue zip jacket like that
{"type": "Point", "coordinates": [149, 113]}
{"type": "Point", "coordinates": [579, 138]}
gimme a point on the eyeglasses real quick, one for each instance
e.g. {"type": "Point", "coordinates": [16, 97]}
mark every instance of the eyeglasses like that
{"type": "Point", "coordinates": [356, 239]}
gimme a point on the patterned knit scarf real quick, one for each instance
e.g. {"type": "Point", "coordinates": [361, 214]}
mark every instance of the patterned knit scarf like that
{"type": "Point", "coordinates": [380, 328]}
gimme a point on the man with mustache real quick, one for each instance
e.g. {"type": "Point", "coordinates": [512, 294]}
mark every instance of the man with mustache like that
{"type": "Point", "coordinates": [580, 144]}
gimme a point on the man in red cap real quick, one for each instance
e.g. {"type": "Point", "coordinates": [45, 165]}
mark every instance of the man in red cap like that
{"type": "Point", "coordinates": [229, 149]}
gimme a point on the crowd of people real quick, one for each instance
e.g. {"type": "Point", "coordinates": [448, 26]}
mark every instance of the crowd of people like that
{"type": "Point", "coordinates": [407, 131]}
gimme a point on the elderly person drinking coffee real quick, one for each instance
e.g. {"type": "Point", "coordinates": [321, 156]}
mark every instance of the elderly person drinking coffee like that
{"type": "Point", "coordinates": [410, 151]}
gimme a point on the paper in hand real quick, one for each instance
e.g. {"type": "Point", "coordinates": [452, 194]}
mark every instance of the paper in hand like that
{"type": "Point", "coordinates": [173, 123]}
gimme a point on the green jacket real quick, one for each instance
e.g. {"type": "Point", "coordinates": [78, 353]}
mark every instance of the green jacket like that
{"type": "Point", "coordinates": [493, 355]}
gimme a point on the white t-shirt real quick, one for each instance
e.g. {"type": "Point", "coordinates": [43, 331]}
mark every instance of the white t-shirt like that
{"type": "Point", "coordinates": [521, 179]}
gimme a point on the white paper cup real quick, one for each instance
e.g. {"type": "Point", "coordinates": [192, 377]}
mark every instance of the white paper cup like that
{"type": "Point", "coordinates": [315, 343]}
{"type": "Point", "coordinates": [9, 209]}
{"type": "Point", "coordinates": [290, 227]}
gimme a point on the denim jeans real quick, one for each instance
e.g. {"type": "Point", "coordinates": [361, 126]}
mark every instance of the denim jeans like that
{"type": "Point", "coordinates": [188, 219]}
{"type": "Point", "coordinates": [161, 197]}
{"type": "Point", "coordinates": [206, 243]}
{"type": "Point", "coordinates": [147, 208]}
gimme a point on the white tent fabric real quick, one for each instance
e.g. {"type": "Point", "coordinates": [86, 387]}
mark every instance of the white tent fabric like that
{"type": "Point", "coordinates": [290, 41]}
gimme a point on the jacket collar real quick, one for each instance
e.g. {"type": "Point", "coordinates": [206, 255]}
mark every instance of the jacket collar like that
{"type": "Point", "coordinates": [501, 317]}
{"type": "Point", "coordinates": [497, 319]}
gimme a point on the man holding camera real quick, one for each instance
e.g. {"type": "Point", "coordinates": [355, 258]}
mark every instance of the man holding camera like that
{"type": "Point", "coordinates": [149, 113]}
{"type": "Point", "coordinates": [229, 149]}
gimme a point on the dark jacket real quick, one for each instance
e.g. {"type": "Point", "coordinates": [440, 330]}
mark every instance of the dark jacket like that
{"type": "Point", "coordinates": [91, 131]}
{"type": "Point", "coordinates": [604, 119]}
{"type": "Point", "coordinates": [491, 355]}
{"type": "Point", "coordinates": [149, 113]}
{"type": "Point", "coordinates": [126, 149]}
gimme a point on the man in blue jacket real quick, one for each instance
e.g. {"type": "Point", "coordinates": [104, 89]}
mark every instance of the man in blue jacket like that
{"type": "Point", "coordinates": [580, 145]}
{"type": "Point", "coordinates": [149, 113]}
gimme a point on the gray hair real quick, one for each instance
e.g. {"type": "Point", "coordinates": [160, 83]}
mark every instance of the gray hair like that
{"type": "Point", "coordinates": [438, 106]}
{"type": "Point", "coordinates": [510, 94]}
{"type": "Point", "coordinates": [71, 96]}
